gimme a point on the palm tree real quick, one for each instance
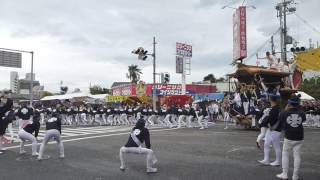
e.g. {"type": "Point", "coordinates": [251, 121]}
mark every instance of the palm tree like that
{"type": "Point", "coordinates": [134, 73]}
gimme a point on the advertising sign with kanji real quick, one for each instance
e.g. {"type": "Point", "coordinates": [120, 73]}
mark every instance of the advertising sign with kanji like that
{"type": "Point", "coordinates": [239, 34]}
{"type": "Point", "coordinates": [183, 50]}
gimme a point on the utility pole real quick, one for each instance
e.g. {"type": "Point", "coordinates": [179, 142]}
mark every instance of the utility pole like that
{"type": "Point", "coordinates": [272, 46]}
{"type": "Point", "coordinates": [31, 83]}
{"type": "Point", "coordinates": [282, 10]}
{"type": "Point", "coordinates": [154, 95]}
{"type": "Point", "coordinates": [285, 31]}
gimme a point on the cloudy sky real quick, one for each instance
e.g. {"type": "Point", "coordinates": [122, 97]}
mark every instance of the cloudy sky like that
{"type": "Point", "coordinates": [90, 41]}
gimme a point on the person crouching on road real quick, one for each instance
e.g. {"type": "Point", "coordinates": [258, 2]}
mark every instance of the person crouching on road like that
{"type": "Point", "coordinates": [53, 130]}
{"type": "Point", "coordinates": [292, 119]}
{"type": "Point", "coordinates": [138, 135]}
{"type": "Point", "coordinates": [25, 133]}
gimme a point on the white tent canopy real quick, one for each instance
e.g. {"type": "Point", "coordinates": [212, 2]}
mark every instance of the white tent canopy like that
{"type": "Point", "coordinates": [304, 96]}
{"type": "Point", "coordinates": [73, 95]}
{"type": "Point", "coordinates": [98, 96]}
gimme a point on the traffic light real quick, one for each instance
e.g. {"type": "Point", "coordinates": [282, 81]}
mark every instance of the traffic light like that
{"type": "Point", "coordinates": [142, 54]}
{"type": "Point", "coordinates": [297, 49]}
{"type": "Point", "coordinates": [166, 78]}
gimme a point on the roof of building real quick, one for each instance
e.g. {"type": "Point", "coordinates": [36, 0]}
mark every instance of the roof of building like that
{"type": "Point", "coordinates": [119, 84]}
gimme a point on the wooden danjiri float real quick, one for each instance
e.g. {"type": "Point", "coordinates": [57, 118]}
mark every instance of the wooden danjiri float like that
{"type": "Point", "coordinates": [253, 82]}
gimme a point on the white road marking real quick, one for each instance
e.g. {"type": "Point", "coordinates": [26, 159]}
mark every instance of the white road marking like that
{"type": "Point", "coordinates": [92, 137]}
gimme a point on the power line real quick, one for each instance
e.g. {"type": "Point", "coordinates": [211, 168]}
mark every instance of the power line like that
{"type": "Point", "coordinates": [262, 46]}
{"type": "Point", "coordinates": [307, 23]}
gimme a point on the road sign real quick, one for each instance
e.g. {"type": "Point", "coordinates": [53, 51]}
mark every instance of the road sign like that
{"type": "Point", "coordinates": [184, 50]}
{"type": "Point", "coordinates": [10, 59]}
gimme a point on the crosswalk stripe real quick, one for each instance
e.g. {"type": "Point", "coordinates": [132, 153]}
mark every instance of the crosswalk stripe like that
{"type": "Point", "coordinates": [82, 131]}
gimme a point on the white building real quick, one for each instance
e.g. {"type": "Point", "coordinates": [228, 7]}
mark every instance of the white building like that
{"type": "Point", "coordinates": [14, 81]}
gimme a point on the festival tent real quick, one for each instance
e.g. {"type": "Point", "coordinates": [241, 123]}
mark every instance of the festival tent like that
{"type": "Point", "coordinates": [304, 96]}
{"type": "Point", "coordinates": [66, 96]}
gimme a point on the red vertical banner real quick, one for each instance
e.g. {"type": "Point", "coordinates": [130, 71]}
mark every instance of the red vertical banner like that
{"type": "Point", "coordinates": [243, 32]}
{"type": "Point", "coordinates": [239, 34]}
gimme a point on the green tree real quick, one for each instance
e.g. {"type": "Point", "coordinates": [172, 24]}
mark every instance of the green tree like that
{"type": "Point", "coordinates": [311, 86]}
{"type": "Point", "coordinates": [96, 89]}
{"type": "Point", "coordinates": [211, 78]}
{"type": "Point", "coordinates": [134, 73]}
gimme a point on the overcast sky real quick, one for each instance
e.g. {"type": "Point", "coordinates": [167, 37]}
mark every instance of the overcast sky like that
{"type": "Point", "coordinates": [90, 41]}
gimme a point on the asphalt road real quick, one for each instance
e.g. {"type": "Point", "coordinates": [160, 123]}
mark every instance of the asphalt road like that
{"type": "Point", "coordinates": [183, 154]}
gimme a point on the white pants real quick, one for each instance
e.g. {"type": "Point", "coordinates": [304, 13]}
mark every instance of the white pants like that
{"type": "Point", "coordinates": [173, 119]}
{"type": "Point", "coordinates": [189, 120]}
{"type": "Point", "coordinates": [246, 107]}
{"type": "Point", "coordinates": [151, 120]}
{"type": "Point", "coordinates": [296, 147]}
{"type": "Point", "coordinates": [263, 131]}
{"type": "Point", "coordinates": [52, 133]}
{"type": "Point", "coordinates": [181, 121]}
{"type": "Point", "coordinates": [110, 119]}
{"type": "Point", "coordinates": [124, 119]}
{"type": "Point", "coordinates": [272, 137]}
{"type": "Point", "coordinates": [167, 120]}
{"type": "Point", "coordinates": [24, 136]}
{"type": "Point", "coordinates": [226, 118]}
{"type": "Point", "coordinates": [151, 158]}
{"type": "Point", "coordinates": [205, 122]}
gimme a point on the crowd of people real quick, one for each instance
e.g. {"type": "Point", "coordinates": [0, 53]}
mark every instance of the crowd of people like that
{"type": "Point", "coordinates": [264, 110]}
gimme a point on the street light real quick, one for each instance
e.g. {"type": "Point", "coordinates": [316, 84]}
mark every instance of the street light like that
{"type": "Point", "coordinates": [143, 55]}
{"type": "Point", "coordinates": [31, 83]}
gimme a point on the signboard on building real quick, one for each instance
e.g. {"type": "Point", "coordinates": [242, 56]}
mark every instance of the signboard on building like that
{"type": "Point", "coordinates": [179, 64]}
{"type": "Point", "coordinates": [184, 50]}
{"type": "Point", "coordinates": [162, 90]}
{"type": "Point", "coordinates": [239, 34]}
{"type": "Point", "coordinates": [10, 59]}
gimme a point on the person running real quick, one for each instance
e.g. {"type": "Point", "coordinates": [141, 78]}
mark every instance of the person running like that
{"type": "Point", "coordinates": [53, 131]}
{"type": "Point", "coordinates": [292, 119]}
{"type": "Point", "coordinates": [139, 135]}
{"type": "Point", "coordinates": [273, 133]}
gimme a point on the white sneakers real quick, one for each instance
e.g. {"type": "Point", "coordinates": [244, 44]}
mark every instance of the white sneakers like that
{"type": "Point", "coordinates": [282, 176]}
{"type": "Point", "coordinates": [152, 170]}
{"type": "Point", "coordinates": [275, 163]}
{"type": "Point", "coordinates": [267, 163]}
{"type": "Point", "coordinates": [35, 154]}
{"type": "Point", "coordinates": [264, 162]}
{"type": "Point", "coordinates": [23, 152]}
